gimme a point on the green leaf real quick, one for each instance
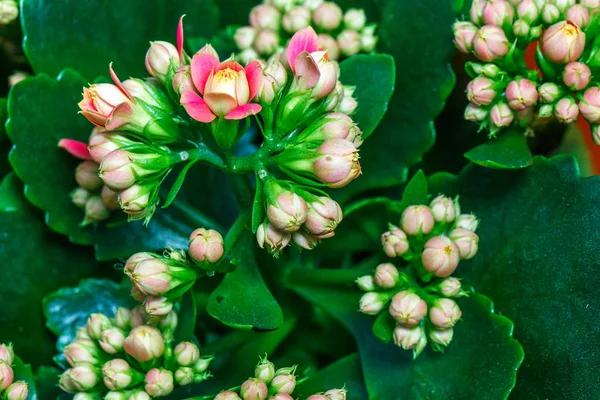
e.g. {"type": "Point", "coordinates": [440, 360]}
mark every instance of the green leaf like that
{"type": "Point", "coordinates": [242, 300]}
{"type": "Point", "coordinates": [374, 77]}
{"type": "Point", "coordinates": [88, 34]}
{"type": "Point", "coordinates": [178, 183]}
{"type": "Point", "coordinates": [186, 318]}
{"type": "Point", "coordinates": [415, 191]}
{"type": "Point", "coordinates": [482, 351]}
{"type": "Point", "coordinates": [46, 379]}
{"type": "Point", "coordinates": [383, 327]}
{"type": "Point", "coordinates": [69, 308]}
{"type": "Point", "coordinates": [3, 117]}
{"type": "Point", "coordinates": [11, 194]}
{"type": "Point", "coordinates": [508, 151]}
{"type": "Point", "coordinates": [538, 260]}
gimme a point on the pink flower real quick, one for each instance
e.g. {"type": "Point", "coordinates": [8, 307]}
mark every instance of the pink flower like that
{"type": "Point", "coordinates": [226, 89]}
{"type": "Point", "coordinates": [490, 43]}
{"type": "Point", "coordinates": [521, 94]}
{"type": "Point", "coordinates": [566, 110]}
{"type": "Point", "coordinates": [577, 75]}
{"type": "Point", "coordinates": [563, 42]}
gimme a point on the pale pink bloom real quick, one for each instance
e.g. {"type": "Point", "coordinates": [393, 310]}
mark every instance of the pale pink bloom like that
{"type": "Point", "coordinates": [407, 308]}
{"type": "Point", "coordinates": [440, 256]}
{"type": "Point", "coordinates": [490, 43]}
{"type": "Point", "coordinates": [338, 164]}
{"type": "Point", "coordinates": [563, 42]}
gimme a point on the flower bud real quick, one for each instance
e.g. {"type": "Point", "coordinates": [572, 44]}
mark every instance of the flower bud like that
{"type": "Point", "coordinates": [287, 211]}
{"type": "Point", "coordinates": [123, 318]}
{"type": "Point", "coordinates": [95, 211]}
{"type": "Point", "coordinates": [182, 80]}
{"type": "Point", "coordinates": [476, 11]}
{"type": "Point", "coordinates": [336, 394]}
{"type": "Point", "coordinates": [372, 303]}
{"type": "Point", "coordinates": [475, 113]}
{"type": "Point", "coordinates": [563, 42]}
{"type": "Point", "coordinates": [328, 16]}
{"type": "Point", "coordinates": [579, 15]}
{"type": "Point", "coordinates": [442, 209]}
{"type": "Point", "coordinates": [480, 91]}
{"type": "Point", "coordinates": [550, 14]}
{"type": "Point", "coordinates": [366, 283]}
{"type": "Point", "coordinates": [464, 34]}
{"type": "Point", "coordinates": [265, 371]}
{"type": "Point", "coordinates": [445, 313]}
{"type": "Point", "coordinates": [498, 12]}
{"type": "Point", "coordinates": [467, 221]}
{"type": "Point", "coordinates": [139, 395]}
{"type": "Point", "coordinates": [305, 240]}
{"type": "Point", "coordinates": [592, 5]}
{"type": "Point", "coordinates": [355, 19]}
{"type": "Point", "coordinates": [407, 338]}
{"type": "Point", "coordinates": [119, 168]}
{"type": "Point", "coordinates": [159, 382]}
{"type": "Point", "coordinates": [202, 364]}
{"type": "Point", "coordinates": [159, 57]}
{"type": "Point", "coordinates": [466, 241]}
{"type": "Point", "coordinates": [266, 42]}
{"type": "Point", "coordinates": [490, 43]}
{"type": "Point", "coordinates": [323, 217]}
{"type": "Point", "coordinates": [17, 391]}
{"type": "Point", "coordinates": [296, 18]}
{"type": "Point", "coordinates": [82, 333]}
{"type": "Point", "coordinates": [9, 11]}
{"type": "Point", "coordinates": [151, 276]}
{"type": "Point", "coordinates": [417, 220]}
{"type": "Point", "coordinates": [440, 256]}
{"type": "Point", "coordinates": [112, 340]}
{"type": "Point", "coordinates": [7, 353]}
{"type": "Point", "coordinates": [101, 143]}
{"type": "Point", "coordinates": [285, 396]}
{"type": "Point", "coordinates": [96, 324]}
{"type": "Point", "coordinates": [137, 201]}
{"type": "Point", "coordinates": [246, 56]}
{"type": "Point", "coordinates": [521, 94]}
{"type": "Point", "coordinates": [145, 343]}
{"type": "Point", "coordinates": [451, 287]}
{"type": "Point", "coordinates": [169, 323]}
{"type": "Point", "coordinates": [158, 306]}
{"type": "Point", "coordinates": [577, 75]}
{"type": "Point", "coordinates": [117, 374]}
{"type": "Point", "coordinates": [184, 376]}
{"type": "Point", "coordinates": [528, 11]}
{"type": "Point", "coordinates": [441, 337]}
{"type": "Point", "coordinates": [82, 351]}
{"type": "Point", "coordinates": [590, 104]}
{"type": "Point", "coordinates": [86, 175]}
{"type": "Point", "coordinates": [244, 37]}
{"type": "Point", "coordinates": [328, 43]}
{"type": "Point", "coordinates": [135, 259]}
{"type": "Point", "coordinates": [368, 41]}
{"type": "Point", "coordinates": [254, 389]}
{"type": "Point", "coordinates": [110, 198]}
{"type": "Point", "coordinates": [228, 395]}
{"type": "Point", "coordinates": [407, 308]}
{"type": "Point", "coordinates": [6, 375]}
{"type": "Point", "coordinates": [270, 237]}
{"type": "Point", "coordinates": [284, 381]}
{"type": "Point", "coordinates": [206, 246]}
{"type": "Point", "coordinates": [549, 92]}
{"type": "Point", "coordinates": [265, 17]}
{"type": "Point", "coordinates": [80, 197]}
{"type": "Point", "coordinates": [386, 276]}
{"type": "Point", "coordinates": [338, 163]}
{"type": "Point", "coordinates": [501, 115]}
{"type": "Point", "coordinates": [566, 110]}
{"type": "Point", "coordinates": [348, 104]}
{"type": "Point", "coordinates": [186, 354]}
{"type": "Point", "coordinates": [80, 378]}
{"type": "Point", "coordinates": [350, 42]}
{"type": "Point", "coordinates": [394, 242]}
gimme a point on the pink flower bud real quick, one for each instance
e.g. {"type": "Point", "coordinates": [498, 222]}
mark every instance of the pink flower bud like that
{"type": "Point", "coordinates": [394, 242]}
{"type": "Point", "coordinates": [117, 374]}
{"type": "Point", "coordinates": [244, 37]}
{"type": "Point", "coordinates": [577, 75]}
{"type": "Point", "coordinates": [348, 104]}
{"type": "Point", "coordinates": [288, 212]}
{"type": "Point", "coordinates": [407, 308]}
{"type": "Point", "coordinates": [134, 260]}
{"type": "Point", "coordinates": [117, 170]}
{"type": "Point", "coordinates": [464, 34]}
{"type": "Point", "coordinates": [270, 237]}
{"type": "Point", "coordinates": [186, 354]}
{"type": "Point", "coordinates": [318, 397]}
{"type": "Point", "coordinates": [159, 57]}
{"type": "Point", "coordinates": [467, 221]}
{"type": "Point", "coordinates": [265, 17]}
{"type": "Point", "coordinates": [475, 113]}
{"type": "Point", "coordinates": [6, 375]}
{"type": "Point", "coordinates": [265, 371]}
{"type": "Point", "coordinates": [590, 104]}
{"type": "Point", "coordinates": [372, 303]}
{"type": "Point", "coordinates": [145, 343]}
{"type": "Point", "coordinates": [476, 11]}
{"type": "Point", "coordinates": [296, 18]}
{"type": "Point", "coordinates": [563, 42]}
{"type": "Point", "coordinates": [407, 338]}
{"type": "Point", "coordinates": [138, 315]}
{"type": "Point", "coordinates": [79, 197]}
{"type": "Point", "coordinates": [592, 5]}
{"type": "Point", "coordinates": [466, 241]}
{"type": "Point", "coordinates": [285, 396]}
{"type": "Point", "coordinates": [82, 333]}
{"type": "Point", "coordinates": [95, 211]}
{"type": "Point", "coordinates": [451, 287]}
{"type": "Point", "coordinates": [96, 324]}
{"type": "Point", "coordinates": [266, 42]}
{"type": "Point", "coordinates": [521, 94]}
{"type": "Point", "coordinates": [349, 42]}
{"type": "Point", "coordinates": [442, 209]}
{"type": "Point", "coordinates": [336, 394]}
{"type": "Point", "coordinates": [158, 306]}
{"type": "Point", "coordinates": [66, 384]}
{"type": "Point", "coordinates": [566, 110]}
{"type": "Point", "coordinates": [101, 143]}
{"type": "Point", "coordinates": [17, 391]}
{"type": "Point", "coordinates": [112, 340]}
{"type": "Point", "coordinates": [366, 283]}
{"type": "Point", "coordinates": [441, 337]}
{"type": "Point", "coordinates": [563, 5]}
{"type": "Point", "coordinates": [151, 276]}
{"type": "Point", "coordinates": [184, 376]}
{"type": "Point", "coordinates": [528, 11]}
{"type": "Point", "coordinates": [139, 395]}
{"type": "Point", "coordinates": [386, 275]}
{"type": "Point", "coordinates": [498, 12]}
{"type": "Point", "coordinates": [206, 246]}
{"type": "Point", "coordinates": [136, 201]}
{"type": "Point", "coordinates": [82, 351]}
{"type": "Point", "coordinates": [99, 102]}
{"type": "Point", "coordinates": [159, 382]}
{"type": "Point", "coordinates": [579, 15]}
{"type": "Point", "coordinates": [441, 256]}
{"type": "Point", "coordinates": [549, 92]}
{"type": "Point", "coordinates": [323, 217]}
{"type": "Point", "coordinates": [284, 381]}
{"type": "Point", "coordinates": [123, 318]}
{"type": "Point", "coordinates": [110, 198]}
{"type": "Point", "coordinates": [228, 395]}
{"type": "Point", "coordinates": [328, 16]}
{"type": "Point", "coordinates": [480, 91]}
{"type": "Point", "coordinates": [550, 14]}
{"type": "Point", "coordinates": [80, 378]}
{"type": "Point", "coordinates": [328, 43]}
{"type": "Point", "coordinates": [417, 220]}
{"type": "Point", "coordinates": [182, 80]}
{"type": "Point", "coordinates": [254, 389]}
{"type": "Point", "coordinates": [338, 164]}
{"type": "Point", "coordinates": [305, 240]}
{"type": "Point", "coordinates": [355, 19]}
{"type": "Point", "coordinates": [490, 43]}
{"type": "Point", "coordinates": [445, 313]}
{"type": "Point", "coordinates": [86, 175]}
{"type": "Point", "coordinates": [501, 115]}
{"type": "Point", "coordinates": [202, 364]}
{"type": "Point", "coordinates": [7, 353]}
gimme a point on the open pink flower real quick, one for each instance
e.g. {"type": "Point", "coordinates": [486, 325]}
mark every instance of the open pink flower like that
{"type": "Point", "coordinates": [226, 88]}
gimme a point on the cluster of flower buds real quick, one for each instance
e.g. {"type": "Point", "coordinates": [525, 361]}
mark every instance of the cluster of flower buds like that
{"type": "Point", "coordinates": [127, 358]}
{"type": "Point", "coordinates": [9, 388]}
{"type": "Point", "coordinates": [271, 384]}
{"type": "Point", "coordinates": [342, 34]}
{"type": "Point", "coordinates": [9, 11]}
{"type": "Point", "coordinates": [504, 91]}
{"type": "Point", "coordinates": [431, 241]}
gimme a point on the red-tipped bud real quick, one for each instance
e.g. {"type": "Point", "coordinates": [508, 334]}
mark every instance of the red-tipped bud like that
{"type": "Point", "coordinates": [284, 380]}
{"type": "Point", "coordinates": [445, 313]}
{"type": "Point", "coordinates": [288, 212]}
{"type": "Point", "coordinates": [451, 287]}
{"type": "Point", "coordinates": [466, 241]}
{"type": "Point", "coordinates": [577, 75]}
{"type": "Point", "coordinates": [7, 353]}
{"type": "Point", "coordinates": [350, 42]}
{"type": "Point", "coordinates": [578, 14]}
{"type": "Point", "coordinates": [186, 354]}
{"type": "Point", "coordinates": [386, 276]}
{"type": "Point", "coordinates": [159, 382]}
{"type": "Point", "coordinates": [366, 283]}
{"type": "Point", "coordinates": [501, 115]}
{"type": "Point", "coordinates": [443, 209]}
{"type": "Point", "coordinates": [407, 308]}
{"type": "Point", "coordinates": [17, 391]}
{"type": "Point", "coordinates": [265, 17]}
{"type": "Point", "coordinates": [296, 18]}
{"type": "Point", "coordinates": [158, 306]}
{"type": "Point", "coordinates": [490, 43]}
{"type": "Point", "coordinates": [566, 110]}
{"type": "Point", "coordinates": [394, 242]}
{"type": "Point", "coordinates": [417, 220]}
{"type": "Point", "coordinates": [328, 16]}
{"type": "Point", "coordinates": [244, 37]}
{"type": "Point", "coordinates": [159, 57]}
{"type": "Point", "coordinates": [563, 42]}
{"type": "Point", "coordinates": [323, 217]}
{"type": "Point", "coordinates": [521, 94]}
{"type": "Point", "coordinates": [440, 256]}
{"type": "Point", "coordinates": [96, 324]}
{"type": "Point", "coordinates": [118, 375]}
{"type": "Point", "coordinates": [265, 371]}
{"type": "Point", "coordinates": [441, 337]}
{"type": "Point", "coordinates": [206, 246]}
{"type": "Point", "coordinates": [145, 343]}
{"type": "Point", "coordinates": [86, 175]}
{"type": "Point", "coordinates": [271, 238]}
{"type": "Point", "coordinates": [228, 395]}
{"type": "Point", "coordinates": [590, 104]}
{"type": "Point", "coordinates": [112, 340]}
{"type": "Point", "coordinates": [81, 378]}
{"type": "Point", "coordinates": [254, 389]}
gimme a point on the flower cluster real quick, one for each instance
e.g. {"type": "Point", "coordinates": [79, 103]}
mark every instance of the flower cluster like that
{"type": "Point", "coordinates": [126, 358]}
{"type": "Point", "coordinates": [9, 389]}
{"type": "Point", "coordinates": [504, 91]}
{"type": "Point", "coordinates": [431, 240]}
{"type": "Point", "coordinates": [269, 383]}
{"type": "Point", "coordinates": [273, 22]}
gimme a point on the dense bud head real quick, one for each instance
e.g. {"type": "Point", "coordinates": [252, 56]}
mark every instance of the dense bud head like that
{"type": "Point", "coordinates": [17, 391]}
{"type": "Point", "coordinates": [284, 381]}
{"type": "Point", "coordinates": [336, 394]}
{"type": "Point", "coordinates": [366, 283]}
{"type": "Point", "coordinates": [288, 212]}
{"type": "Point", "coordinates": [323, 217]}
{"type": "Point", "coordinates": [467, 221]}
{"type": "Point", "coordinates": [480, 91]}
{"type": "Point", "coordinates": [590, 104]}
{"type": "Point", "coordinates": [244, 37]}
{"type": "Point", "coordinates": [475, 113]}
{"type": "Point", "coordinates": [117, 374]}
{"type": "Point", "coordinates": [112, 340]}
{"type": "Point", "coordinates": [158, 382]}
{"type": "Point", "coordinates": [186, 354]}
{"type": "Point", "coordinates": [305, 240]}
{"type": "Point", "coordinates": [501, 115]}
{"type": "Point", "coordinates": [228, 395]}
{"type": "Point", "coordinates": [528, 11]}
{"type": "Point", "coordinates": [6, 375]}
{"type": "Point", "coordinates": [80, 197]}
{"type": "Point", "coordinates": [498, 12]}
{"type": "Point", "coordinates": [417, 220]}
{"type": "Point", "coordinates": [145, 343]}
{"type": "Point", "coordinates": [206, 246]}
{"type": "Point", "coordinates": [407, 308]}
{"type": "Point", "coordinates": [445, 313]}
{"type": "Point", "coordinates": [296, 18]}
{"type": "Point", "coordinates": [490, 43]}
{"type": "Point", "coordinates": [577, 75]}
{"type": "Point", "coordinates": [549, 92]}
{"type": "Point", "coordinates": [7, 353]}
{"type": "Point", "coordinates": [159, 57]}
{"type": "Point", "coordinates": [350, 42]}
{"type": "Point", "coordinates": [254, 389]}
{"type": "Point", "coordinates": [182, 80]}
{"type": "Point", "coordinates": [271, 238]}
{"type": "Point", "coordinates": [81, 378]}
{"type": "Point", "coordinates": [407, 338]}
{"type": "Point", "coordinates": [355, 18]}
{"type": "Point", "coordinates": [566, 110]}
{"type": "Point", "coordinates": [521, 94]}
{"type": "Point", "coordinates": [563, 42]}
{"type": "Point", "coordinates": [328, 16]}
{"type": "Point", "coordinates": [386, 276]}
{"type": "Point", "coordinates": [96, 324]}
{"type": "Point", "coordinates": [443, 209]}
{"type": "Point", "coordinates": [450, 287]}
{"type": "Point", "coordinates": [466, 241]}
{"type": "Point", "coordinates": [151, 276]}
{"type": "Point", "coordinates": [158, 306]}
{"type": "Point", "coordinates": [394, 242]}
{"type": "Point", "coordinates": [476, 11]}
{"type": "Point", "coordinates": [184, 376]}
{"type": "Point", "coordinates": [440, 256]}
{"type": "Point", "coordinates": [441, 337]}
{"type": "Point", "coordinates": [265, 17]}
{"type": "Point", "coordinates": [266, 42]}
{"type": "Point", "coordinates": [265, 371]}
{"type": "Point", "coordinates": [123, 318]}
{"type": "Point", "coordinates": [86, 175]}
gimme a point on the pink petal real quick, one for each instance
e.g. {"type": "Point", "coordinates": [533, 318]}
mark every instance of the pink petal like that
{"type": "Point", "coordinates": [244, 111]}
{"type": "Point", "coordinates": [196, 107]}
{"type": "Point", "coordinates": [180, 38]}
{"type": "Point", "coordinates": [254, 75]}
{"type": "Point", "coordinates": [304, 40]}
{"type": "Point", "coordinates": [75, 148]}
{"type": "Point", "coordinates": [220, 103]}
{"type": "Point", "coordinates": [231, 65]}
{"type": "Point", "coordinates": [117, 82]}
{"type": "Point", "coordinates": [307, 70]}
{"type": "Point", "coordinates": [202, 65]}
{"type": "Point", "coordinates": [120, 116]}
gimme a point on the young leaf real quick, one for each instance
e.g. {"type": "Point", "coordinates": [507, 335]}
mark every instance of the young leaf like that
{"type": "Point", "coordinates": [508, 151]}
{"type": "Point", "coordinates": [178, 183]}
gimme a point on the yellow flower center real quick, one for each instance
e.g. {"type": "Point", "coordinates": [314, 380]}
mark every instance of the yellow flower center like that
{"type": "Point", "coordinates": [226, 74]}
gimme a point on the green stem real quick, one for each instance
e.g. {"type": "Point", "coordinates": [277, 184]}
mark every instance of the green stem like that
{"type": "Point", "coordinates": [243, 191]}
{"type": "Point", "coordinates": [202, 153]}
{"type": "Point", "coordinates": [195, 217]}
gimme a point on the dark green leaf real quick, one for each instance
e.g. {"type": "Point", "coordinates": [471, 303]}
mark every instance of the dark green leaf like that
{"type": "Point", "coordinates": [415, 191]}
{"type": "Point", "coordinates": [11, 194]}
{"type": "Point", "coordinates": [538, 260]}
{"type": "Point", "coordinates": [508, 151]}
{"type": "Point", "coordinates": [186, 318]}
{"type": "Point", "coordinates": [46, 382]}
{"type": "Point", "coordinates": [383, 327]}
{"type": "Point", "coordinates": [178, 183]}
{"type": "Point", "coordinates": [3, 117]}
{"type": "Point", "coordinates": [243, 300]}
